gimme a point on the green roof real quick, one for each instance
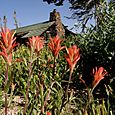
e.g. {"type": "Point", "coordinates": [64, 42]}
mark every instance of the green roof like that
{"type": "Point", "coordinates": [34, 30]}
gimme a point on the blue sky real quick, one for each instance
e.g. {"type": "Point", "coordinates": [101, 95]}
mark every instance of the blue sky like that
{"type": "Point", "coordinates": [32, 11]}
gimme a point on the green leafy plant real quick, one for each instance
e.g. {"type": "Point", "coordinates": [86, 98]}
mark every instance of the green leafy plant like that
{"type": "Point", "coordinates": [7, 44]}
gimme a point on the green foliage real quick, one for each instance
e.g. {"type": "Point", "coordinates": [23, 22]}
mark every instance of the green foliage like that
{"type": "Point", "coordinates": [98, 45]}
{"type": "Point", "coordinates": [47, 90]}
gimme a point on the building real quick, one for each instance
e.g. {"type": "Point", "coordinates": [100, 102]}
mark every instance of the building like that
{"type": "Point", "coordinates": [49, 28]}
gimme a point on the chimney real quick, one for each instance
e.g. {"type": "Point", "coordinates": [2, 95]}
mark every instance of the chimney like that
{"type": "Point", "coordinates": [58, 28]}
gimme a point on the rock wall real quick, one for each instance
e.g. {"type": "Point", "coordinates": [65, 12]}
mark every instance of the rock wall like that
{"type": "Point", "coordinates": [58, 27]}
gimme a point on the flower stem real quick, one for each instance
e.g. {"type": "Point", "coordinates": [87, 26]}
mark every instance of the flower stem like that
{"type": "Point", "coordinates": [5, 88]}
{"type": "Point", "coordinates": [68, 84]}
{"type": "Point", "coordinates": [66, 93]}
{"type": "Point", "coordinates": [54, 67]}
{"type": "Point", "coordinates": [5, 103]}
{"type": "Point", "coordinates": [28, 86]}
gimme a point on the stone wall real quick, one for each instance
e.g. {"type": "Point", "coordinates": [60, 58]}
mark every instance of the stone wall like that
{"type": "Point", "coordinates": [58, 27]}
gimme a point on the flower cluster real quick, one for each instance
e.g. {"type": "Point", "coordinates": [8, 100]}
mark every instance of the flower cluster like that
{"type": "Point", "coordinates": [73, 56]}
{"type": "Point", "coordinates": [55, 45]}
{"type": "Point", "coordinates": [36, 43]}
{"type": "Point", "coordinates": [7, 43]}
{"type": "Point", "coordinates": [98, 74]}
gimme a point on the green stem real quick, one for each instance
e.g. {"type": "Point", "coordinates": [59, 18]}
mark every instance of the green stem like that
{"type": "Point", "coordinates": [48, 95]}
{"type": "Point", "coordinates": [38, 62]}
{"type": "Point", "coordinates": [89, 100]}
{"type": "Point", "coordinates": [10, 98]}
{"type": "Point", "coordinates": [54, 67]}
{"type": "Point", "coordinates": [28, 86]}
{"type": "Point", "coordinates": [68, 83]}
{"type": "Point", "coordinates": [6, 75]}
{"type": "Point", "coordinates": [66, 93]}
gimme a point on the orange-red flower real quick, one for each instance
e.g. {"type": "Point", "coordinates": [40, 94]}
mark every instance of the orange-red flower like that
{"type": "Point", "coordinates": [98, 74]}
{"type": "Point", "coordinates": [55, 45]}
{"type": "Point", "coordinates": [36, 43]}
{"type": "Point", "coordinates": [48, 113]}
{"type": "Point", "coordinates": [72, 57]}
{"type": "Point", "coordinates": [7, 43]}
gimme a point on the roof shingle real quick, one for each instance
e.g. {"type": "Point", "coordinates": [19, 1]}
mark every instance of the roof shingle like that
{"type": "Point", "coordinates": [34, 30]}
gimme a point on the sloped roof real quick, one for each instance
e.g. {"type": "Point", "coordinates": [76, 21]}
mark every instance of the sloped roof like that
{"type": "Point", "coordinates": [34, 30]}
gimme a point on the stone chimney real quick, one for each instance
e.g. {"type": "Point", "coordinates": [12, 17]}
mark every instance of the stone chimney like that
{"type": "Point", "coordinates": [58, 27]}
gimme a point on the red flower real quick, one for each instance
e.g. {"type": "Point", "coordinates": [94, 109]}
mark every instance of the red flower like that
{"type": "Point", "coordinates": [48, 113]}
{"type": "Point", "coordinates": [7, 43]}
{"type": "Point", "coordinates": [36, 43]}
{"type": "Point", "coordinates": [55, 45]}
{"type": "Point", "coordinates": [72, 56]}
{"type": "Point", "coordinates": [98, 75]}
